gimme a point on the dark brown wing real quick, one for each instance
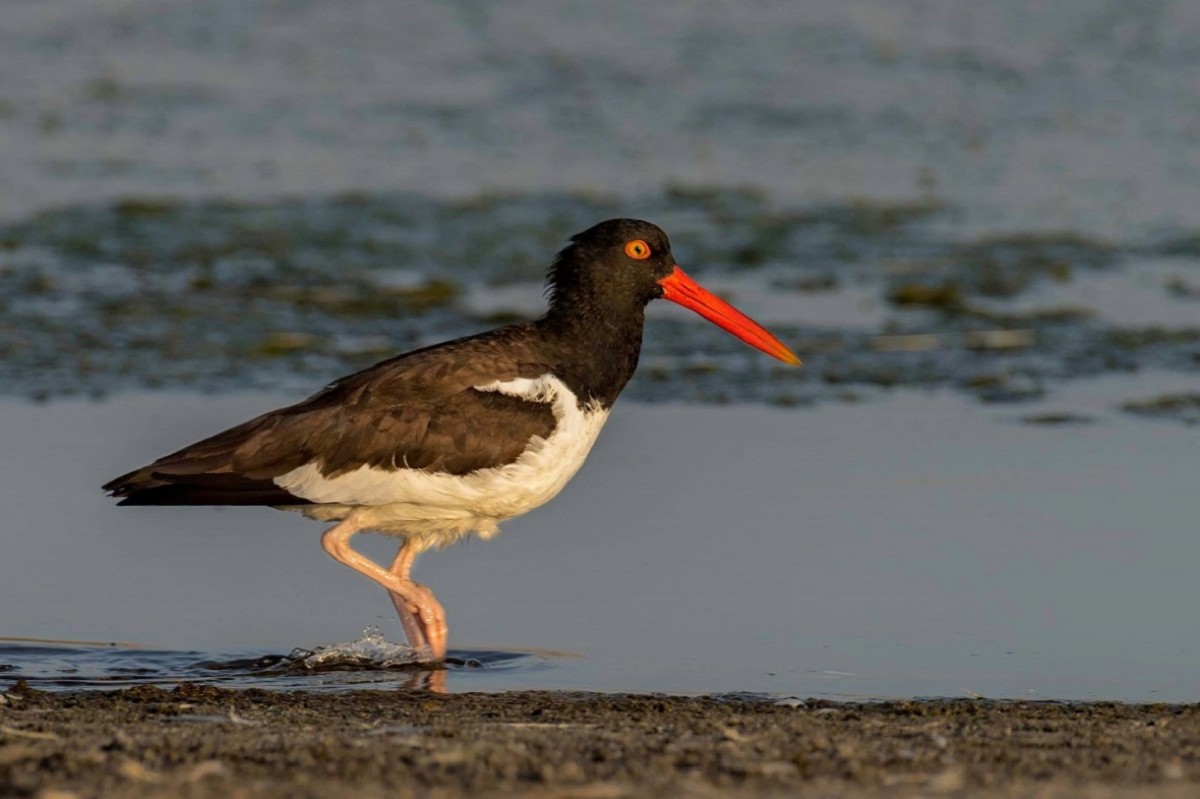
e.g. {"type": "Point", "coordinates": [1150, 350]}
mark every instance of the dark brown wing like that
{"type": "Point", "coordinates": [419, 411]}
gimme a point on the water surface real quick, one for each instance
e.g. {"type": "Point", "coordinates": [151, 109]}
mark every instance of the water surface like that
{"type": "Point", "coordinates": [976, 222]}
{"type": "Point", "coordinates": [922, 546]}
{"type": "Point", "coordinates": [1024, 115]}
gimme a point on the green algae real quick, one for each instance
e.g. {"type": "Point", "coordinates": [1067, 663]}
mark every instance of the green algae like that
{"type": "Point", "coordinates": [946, 296]}
{"type": "Point", "coordinates": [1183, 407]}
{"type": "Point", "coordinates": [1058, 419]}
{"type": "Point", "coordinates": [151, 291]}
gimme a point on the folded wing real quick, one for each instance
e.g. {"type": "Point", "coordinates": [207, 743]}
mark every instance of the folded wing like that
{"type": "Point", "coordinates": [421, 411]}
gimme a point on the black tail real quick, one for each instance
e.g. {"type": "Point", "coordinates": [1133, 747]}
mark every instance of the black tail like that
{"type": "Point", "coordinates": [148, 487]}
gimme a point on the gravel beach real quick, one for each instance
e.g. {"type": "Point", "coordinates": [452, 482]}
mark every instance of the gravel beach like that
{"type": "Point", "coordinates": [200, 741]}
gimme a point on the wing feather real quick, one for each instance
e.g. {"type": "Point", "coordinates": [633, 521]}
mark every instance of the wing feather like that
{"type": "Point", "coordinates": [420, 411]}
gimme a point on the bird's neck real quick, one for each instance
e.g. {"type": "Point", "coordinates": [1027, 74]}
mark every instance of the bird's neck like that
{"type": "Point", "coordinates": [599, 347]}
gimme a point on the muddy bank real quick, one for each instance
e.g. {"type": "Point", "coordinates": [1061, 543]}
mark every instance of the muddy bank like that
{"type": "Point", "coordinates": [205, 741]}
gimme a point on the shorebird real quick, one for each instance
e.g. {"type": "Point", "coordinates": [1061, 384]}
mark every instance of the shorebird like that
{"type": "Point", "coordinates": [452, 439]}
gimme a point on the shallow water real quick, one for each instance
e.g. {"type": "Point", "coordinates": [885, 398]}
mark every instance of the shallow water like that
{"type": "Point", "coordinates": [919, 546]}
{"type": "Point", "coordinates": [1026, 116]}
{"type": "Point", "coordinates": [221, 296]}
{"type": "Point", "coordinates": [975, 222]}
{"type": "Point", "coordinates": [368, 662]}
{"type": "Point", "coordinates": [260, 195]}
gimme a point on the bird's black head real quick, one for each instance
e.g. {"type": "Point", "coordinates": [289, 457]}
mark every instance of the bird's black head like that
{"type": "Point", "coordinates": [613, 267]}
{"type": "Point", "coordinates": [605, 277]}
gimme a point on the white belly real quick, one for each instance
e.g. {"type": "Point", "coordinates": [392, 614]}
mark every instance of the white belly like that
{"type": "Point", "coordinates": [441, 507]}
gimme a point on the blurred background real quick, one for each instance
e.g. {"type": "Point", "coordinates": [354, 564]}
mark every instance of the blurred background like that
{"type": "Point", "coordinates": [898, 186]}
{"type": "Point", "coordinates": [996, 204]}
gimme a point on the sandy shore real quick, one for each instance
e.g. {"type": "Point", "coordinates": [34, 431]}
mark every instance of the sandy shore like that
{"type": "Point", "coordinates": [199, 741]}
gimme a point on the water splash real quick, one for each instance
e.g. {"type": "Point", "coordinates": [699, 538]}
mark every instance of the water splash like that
{"type": "Point", "coordinates": [370, 661]}
{"type": "Point", "coordinates": [371, 651]}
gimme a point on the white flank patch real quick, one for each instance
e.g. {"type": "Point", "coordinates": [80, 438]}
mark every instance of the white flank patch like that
{"type": "Point", "coordinates": [485, 496]}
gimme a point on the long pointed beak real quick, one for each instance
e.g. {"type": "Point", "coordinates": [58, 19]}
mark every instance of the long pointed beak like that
{"type": "Point", "coordinates": [681, 289]}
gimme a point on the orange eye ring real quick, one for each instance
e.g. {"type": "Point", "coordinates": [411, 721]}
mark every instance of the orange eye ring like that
{"type": "Point", "coordinates": [638, 250]}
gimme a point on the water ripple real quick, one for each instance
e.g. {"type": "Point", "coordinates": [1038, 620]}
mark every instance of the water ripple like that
{"type": "Point", "coordinates": [368, 662]}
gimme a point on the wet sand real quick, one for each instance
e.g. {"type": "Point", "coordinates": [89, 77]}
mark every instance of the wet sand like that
{"type": "Point", "coordinates": [204, 741]}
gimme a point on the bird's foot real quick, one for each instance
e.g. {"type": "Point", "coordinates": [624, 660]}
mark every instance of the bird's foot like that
{"type": "Point", "coordinates": [423, 619]}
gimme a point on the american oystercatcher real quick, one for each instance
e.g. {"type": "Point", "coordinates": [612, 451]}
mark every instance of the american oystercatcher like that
{"type": "Point", "coordinates": [455, 438]}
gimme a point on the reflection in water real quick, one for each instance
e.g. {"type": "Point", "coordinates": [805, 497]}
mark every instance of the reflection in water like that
{"type": "Point", "coordinates": [368, 662]}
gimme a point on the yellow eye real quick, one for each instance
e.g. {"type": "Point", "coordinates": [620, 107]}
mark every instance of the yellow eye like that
{"type": "Point", "coordinates": [637, 250]}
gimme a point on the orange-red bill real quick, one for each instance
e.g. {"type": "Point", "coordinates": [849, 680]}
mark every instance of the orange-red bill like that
{"type": "Point", "coordinates": [681, 289]}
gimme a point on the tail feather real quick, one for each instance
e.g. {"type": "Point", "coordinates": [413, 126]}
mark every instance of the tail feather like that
{"type": "Point", "coordinates": [147, 487]}
{"type": "Point", "coordinates": [208, 473]}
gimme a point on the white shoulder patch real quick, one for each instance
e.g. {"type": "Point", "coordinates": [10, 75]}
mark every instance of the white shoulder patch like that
{"type": "Point", "coordinates": [541, 389]}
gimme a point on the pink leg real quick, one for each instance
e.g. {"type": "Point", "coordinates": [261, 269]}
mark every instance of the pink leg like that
{"type": "Point", "coordinates": [420, 607]}
{"type": "Point", "coordinates": [408, 613]}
